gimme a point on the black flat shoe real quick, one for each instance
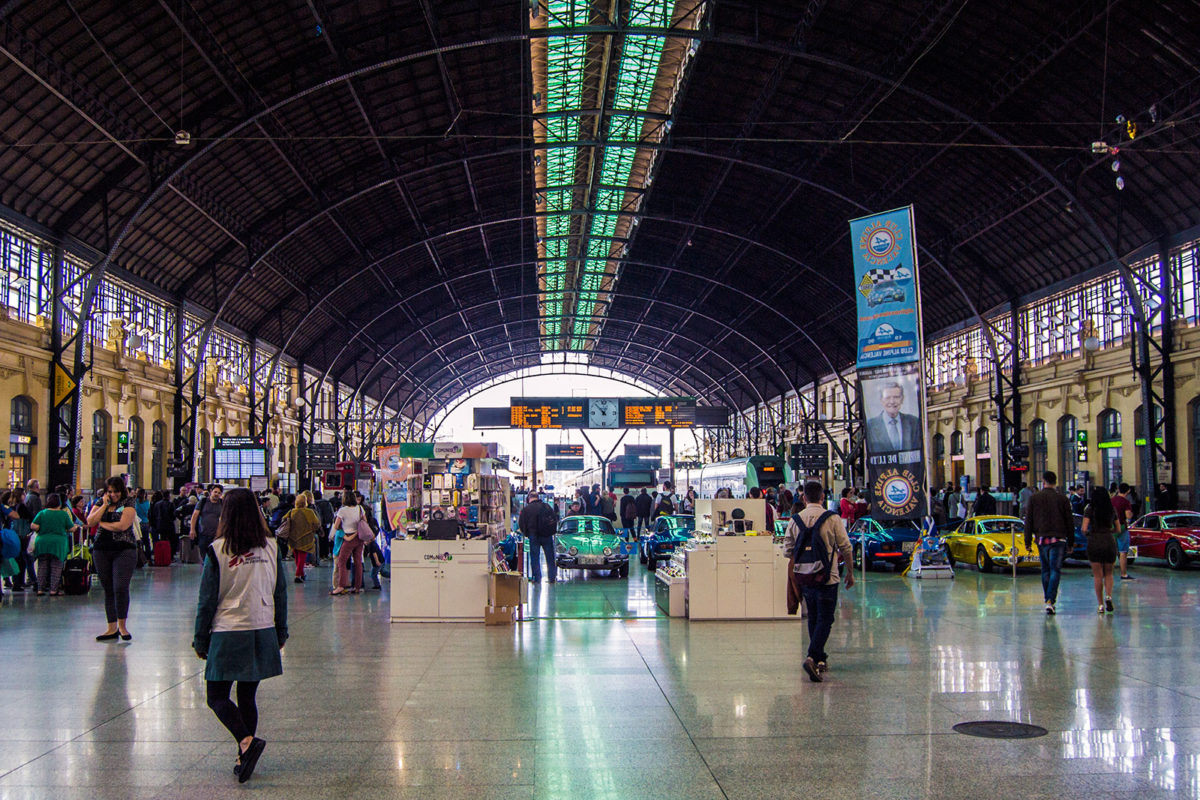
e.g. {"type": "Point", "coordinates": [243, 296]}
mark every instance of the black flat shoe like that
{"type": "Point", "coordinates": [250, 759]}
{"type": "Point", "coordinates": [125, 637]}
{"type": "Point", "coordinates": [107, 637]}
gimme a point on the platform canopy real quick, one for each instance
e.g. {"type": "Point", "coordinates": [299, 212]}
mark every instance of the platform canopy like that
{"type": "Point", "coordinates": [424, 196]}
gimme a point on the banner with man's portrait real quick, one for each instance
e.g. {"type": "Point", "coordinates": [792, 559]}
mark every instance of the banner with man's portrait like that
{"type": "Point", "coordinates": [894, 421]}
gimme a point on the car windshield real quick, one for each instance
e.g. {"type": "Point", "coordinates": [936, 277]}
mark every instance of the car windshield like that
{"type": "Point", "coordinates": [1182, 520]}
{"type": "Point", "coordinates": [583, 526]}
{"type": "Point", "coordinates": [1002, 526]}
{"type": "Point", "coordinates": [903, 525]}
{"type": "Point", "coordinates": [679, 524]}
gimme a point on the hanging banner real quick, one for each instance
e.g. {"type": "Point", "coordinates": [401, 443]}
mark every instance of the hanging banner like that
{"type": "Point", "coordinates": [393, 475]}
{"type": "Point", "coordinates": [884, 252]}
{"type": "Point", "coordinates": [893, 408]}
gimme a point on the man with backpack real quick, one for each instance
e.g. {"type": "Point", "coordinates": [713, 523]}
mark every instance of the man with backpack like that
{"type": "Point", "coordinates": [816, 540]}
{"type": "Point", "coordinates": [539, 522]}
{"type": "Point", "coordinates": [644, 504]}
{"type": "Point", "coordinates": [628, 510]}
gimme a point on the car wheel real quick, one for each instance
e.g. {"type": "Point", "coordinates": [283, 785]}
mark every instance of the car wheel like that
{"type": "Point", "coordinates": [982, 561]}
{"type": "Point", "coordinates": [858, 558]}
{"type": "Point", "coordinates": [641, 555]}
{"type": "Point", "coordinates": [623, 572]}
{"type": "Point", "coordinates": [651, 564]}
{"type": "Point", "coordinates": [1175, 557]}
{"type": "Point", "coordinates": [949, 558]}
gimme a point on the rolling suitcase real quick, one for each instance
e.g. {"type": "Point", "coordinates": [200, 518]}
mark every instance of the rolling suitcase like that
{"type": "Point", "coordinates": [189, 553]}
{"type": "Point", "coordinates": [77, 570]}
{"type": "Point", "coordinates": [162, 554]}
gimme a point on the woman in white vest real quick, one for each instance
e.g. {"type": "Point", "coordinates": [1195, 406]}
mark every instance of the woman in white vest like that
{"type": "Point", "coordinates": [241, 620]}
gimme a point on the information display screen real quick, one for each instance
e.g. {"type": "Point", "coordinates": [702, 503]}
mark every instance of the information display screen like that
{"type": "Point", "coordinates": [564, 451]}
{"type": "Point", "coordinates": [564, 464]}
{"type": "Point", "coordinates": [239, 458]}
{"type": "Point", "coordinates": [549, 412]}
{"type": "Point", "coordinates": [667, 412]}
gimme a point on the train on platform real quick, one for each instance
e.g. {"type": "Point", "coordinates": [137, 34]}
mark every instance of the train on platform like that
{"type": "Point", "coordinates": [618, 477]}
{"type": "Point", "coordinates": [740, 475]}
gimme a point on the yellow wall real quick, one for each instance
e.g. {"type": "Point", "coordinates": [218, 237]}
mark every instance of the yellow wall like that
{"type": "Point", "coordinates": [122, 387]}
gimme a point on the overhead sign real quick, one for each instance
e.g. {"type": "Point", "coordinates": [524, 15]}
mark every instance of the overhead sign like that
{"type": "Point", "coordinates": [564, 464]}
{"type": "Point", "coordinates": [548, 412]}
{"type": "Point", "coordinates": [564, 450]}
{"type": "Point", "coordinates": [322, 456]}
{"type": "Point", "coordinates": [886, 292]}
{"type": "Point", "coordinates": [670, 412]}
{"type": "Point", "coordinates": [644, 450]}
{"type": "Point", "coordinates": [809, 458]}
{"type": "Point", "coordinates": [602, 412]}
{"type": "Point", "coordinates": [239, 458]}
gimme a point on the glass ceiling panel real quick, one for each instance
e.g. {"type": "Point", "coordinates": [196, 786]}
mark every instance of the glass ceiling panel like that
{"type": "Point", "coordinates": [601, 115]}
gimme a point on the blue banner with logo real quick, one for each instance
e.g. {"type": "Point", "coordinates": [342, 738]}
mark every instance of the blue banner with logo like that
{"type": "Point", "coordinates": [885, 288]}
{"type": "Point", "coordinates": [893, 413]}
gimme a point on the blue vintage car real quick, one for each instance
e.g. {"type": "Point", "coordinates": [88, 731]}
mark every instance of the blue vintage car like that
{"type": "Point", "coordinates": [889, 542]}
{"type": "Point", "coordinates": [884, 292]}
{"type": "Point", "coordinates": [669, 532]}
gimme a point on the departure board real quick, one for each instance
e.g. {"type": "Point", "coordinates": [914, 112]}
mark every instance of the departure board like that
{"type": "Point", "coordinates": [665, 412]}
{"type": "Point", "coordinates": [548, 412]}
{"type": "Point", "coordinates": [564, 450]}
{"type": "Point", "coordinates": [239, 458]}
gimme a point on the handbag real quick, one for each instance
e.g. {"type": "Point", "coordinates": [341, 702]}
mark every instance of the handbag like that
{"type": "Point", "coordinates": [285, 528]}
{"type": "Point", "coordinates": [364, 529]}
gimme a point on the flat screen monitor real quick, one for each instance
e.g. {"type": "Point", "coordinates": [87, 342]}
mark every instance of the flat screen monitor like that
{"type": "Point", "coordinates": [441, 529]}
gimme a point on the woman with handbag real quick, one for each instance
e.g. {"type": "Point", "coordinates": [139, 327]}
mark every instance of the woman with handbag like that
{"type": "Point", "coordinates": [299, 528]}
{"type": "Point", "coordinates": [114, 554]}
{"type": "Point", "coordinates": [241, 620]}
{"type": "Point", "coordinates": [351, 520]}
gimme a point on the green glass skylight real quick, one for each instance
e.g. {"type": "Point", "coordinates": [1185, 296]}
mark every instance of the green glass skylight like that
{"type": "Point", "coordinates": [580, 249]}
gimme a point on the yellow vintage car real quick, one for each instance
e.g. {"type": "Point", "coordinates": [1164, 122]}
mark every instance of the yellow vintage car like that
{"type": "Point", "coordinates": [987, 541]}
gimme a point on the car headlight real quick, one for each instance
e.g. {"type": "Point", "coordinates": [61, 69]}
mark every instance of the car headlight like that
{"type": "Point", "coordinates": [574, 551]}
{"type": "Point", "coordinates": [997, 547]}
{"type": "Point", "coordinates": [607, 551]}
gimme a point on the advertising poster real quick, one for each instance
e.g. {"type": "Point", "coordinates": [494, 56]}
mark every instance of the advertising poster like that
{"type": "Point", "coordinates": [884, 252]}
{"type": "Point", "coordinates": [393, 473]}
{"type": "Point", "coordinates": [892, 402]}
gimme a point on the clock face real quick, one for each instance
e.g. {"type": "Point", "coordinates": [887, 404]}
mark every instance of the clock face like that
{"type": "Point", "coordinates": [602, 413]}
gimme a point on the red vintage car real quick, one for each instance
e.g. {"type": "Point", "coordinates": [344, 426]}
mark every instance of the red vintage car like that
{"type": "Point", "coordinates": [1173, 535]}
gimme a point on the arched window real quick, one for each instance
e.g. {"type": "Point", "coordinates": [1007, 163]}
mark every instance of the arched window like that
{"type": "Point", "coordinates": [956, 443]}
{"type": "Point", "coordinates": [983, 457]}
{"type": "Point", "coordinates": [20, 441]}
{"type": "Point", "coordinates": [202, 453]}
{"type": "Point", "coordinates": [983, 441]}
{"type": "Point", "coordinates": [939, 446]}
{"type": "Point", "coordinates": [101, 430]}
{"type": "Point", "coordinates": [1109, 424]}
{"type": "Point", "coordinates": [1039, 451]}
{"type": "Point", "coordinates": [1067, 450]}
{"type": "Point", "coordinates": [158, 435]}
{"type": "Point", "coordinates": [135, 452]}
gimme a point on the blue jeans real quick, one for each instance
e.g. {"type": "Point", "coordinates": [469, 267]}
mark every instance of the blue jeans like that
{"type": "Point", "coordinates": [537, 546]}
{"type": "Point", "coordinates": [1052, 556]}
{"type": "Point", "coordinates": [822, 607]}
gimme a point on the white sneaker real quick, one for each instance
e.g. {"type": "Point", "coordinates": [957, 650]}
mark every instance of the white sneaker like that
{"type": "Point", "coordinates": [1050, 609]}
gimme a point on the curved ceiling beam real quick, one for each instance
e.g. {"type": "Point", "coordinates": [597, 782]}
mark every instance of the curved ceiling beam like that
{"type": "Point", "coordinates": [705, 35]}
{"type": "Point", "coordinates": [607, 373]}
{"type": "Point", "coordinates": [515, 358]}
{"type": "Point", "coordinates": [391, 349]}
{"type": "Point", "coordinates": [419, 386]}
{"type": "Point", "coordinates": [587, 371]}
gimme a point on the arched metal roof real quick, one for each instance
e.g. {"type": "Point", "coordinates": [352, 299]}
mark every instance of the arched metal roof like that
{"type": "Point", "coordinates": [369, 183]}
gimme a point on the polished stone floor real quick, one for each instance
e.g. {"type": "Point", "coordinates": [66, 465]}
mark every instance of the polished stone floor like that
{"type": "Point", "coordinates": [618, 707]}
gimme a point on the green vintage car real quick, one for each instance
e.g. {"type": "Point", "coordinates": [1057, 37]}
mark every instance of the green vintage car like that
{"type": "Point", "coordinates": [586, 542]}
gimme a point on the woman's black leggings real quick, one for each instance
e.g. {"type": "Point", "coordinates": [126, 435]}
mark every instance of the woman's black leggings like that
{"type": "Point", "coordinates": [240, 719]}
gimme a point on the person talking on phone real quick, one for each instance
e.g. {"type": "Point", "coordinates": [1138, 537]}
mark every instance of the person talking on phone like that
{"type": "Point", "coordinates": [114, 554]}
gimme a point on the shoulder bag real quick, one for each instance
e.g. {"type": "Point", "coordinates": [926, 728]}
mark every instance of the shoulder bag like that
{"type": "Point", "coordinates": [285, 527]}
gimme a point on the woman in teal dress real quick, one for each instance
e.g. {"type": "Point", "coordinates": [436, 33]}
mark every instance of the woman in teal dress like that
{"type": "Point", "coordinates": [54, 526]}
{"type": "Point", "coordinates": [241, 620]}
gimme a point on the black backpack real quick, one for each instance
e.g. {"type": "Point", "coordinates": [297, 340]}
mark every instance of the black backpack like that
{"type": "Point", "coordinates": [665, 506]}
{"type": "Point", "coordinates": [547, 521]}
{"type": "Point", "coordinates": [812, 562]}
